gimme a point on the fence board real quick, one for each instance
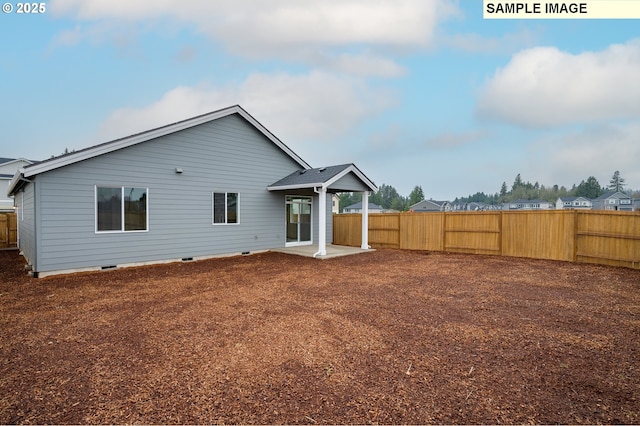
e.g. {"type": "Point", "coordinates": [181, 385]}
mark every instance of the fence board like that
{"type": "Point", "coordinates": [608, 238]}
{"type": "Point", "coordinates": [384, 230]}
{"type": "Point", "coordinates": [421, 231]}
{"type": "Point", "coordinates": [8, 230]}
{"type": "Point", "coordinates": [603, 237]}
{"type": "Point", "coordinates": [4, 228]}
{"type": "Point", "coordinates": [540, 235]}
{"type": "Point", "coordinates": [347, 229]}
{"type": "Point", "coordinates": [473, 232]}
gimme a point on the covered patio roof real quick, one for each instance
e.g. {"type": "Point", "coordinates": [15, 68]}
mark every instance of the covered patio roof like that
{"type": "Point", "coordinates": [340, 178]}
{"type": "Point", "coordinates": [330, 179]}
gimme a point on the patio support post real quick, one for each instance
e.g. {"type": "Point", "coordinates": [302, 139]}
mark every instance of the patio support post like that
{"type": "Point", "coordinates": [322, 221]}
{"type": "Point", "coordinates": [365, 221]}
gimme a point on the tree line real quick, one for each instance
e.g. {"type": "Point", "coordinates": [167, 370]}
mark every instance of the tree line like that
{"type": "Point", "coordinates": [388, 197]}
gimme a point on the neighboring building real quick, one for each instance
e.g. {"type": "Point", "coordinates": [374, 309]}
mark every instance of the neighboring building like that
{"type": "Point", "coordinates": [335, 204]}
{"type": "Point", "coordinates": [613, 200]}
{"type": "Point", "coordinates": [357, 208]}
{"type": "Point", "coordinates": [431, 206]}
{"type": "Point", "coordinates": [8, 168]}
{"type": "Point", "coordinates": [636, 204]}
{"type": "Point", "coordinates": [472, 206]}
{"type": "Point", "coordinates": [528, 205]}
{"type": "Point", "coordinates": [576, 203]}
{"type": "Point", "coordinates": [216, 184]}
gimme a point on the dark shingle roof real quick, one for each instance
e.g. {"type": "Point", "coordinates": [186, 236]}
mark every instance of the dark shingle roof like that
{"type": "Point", "coordinates": [372, 206]}
{"type": "Point", "coordinates": [310, 177]}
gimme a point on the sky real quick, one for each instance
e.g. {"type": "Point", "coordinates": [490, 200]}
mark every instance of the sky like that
{"type": "Point", "coordinates": [414, 92]}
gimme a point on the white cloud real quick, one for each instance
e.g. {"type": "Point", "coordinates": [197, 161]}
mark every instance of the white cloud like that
{"type": "Point", "coordinates": [281, 22]}
{"type": "Point", "coordinates": [301, 109]}
{"type": "Point", "coordinates": [544, 86]}
{"type": "Point", "coordinates": [453, 140]}
{"type": "Point", "coordinates": [478, 43]}
{"type": "Point", "coordinates": [595, 151]}
{"type": "Point", "coordinates": [366, 65]}
{"type": "Point", "coordinates": [294, 30]}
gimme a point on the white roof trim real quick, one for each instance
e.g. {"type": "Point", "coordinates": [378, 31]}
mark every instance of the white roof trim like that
{"type": "Point", "coordinates": [14, 181]}
{"type": "Point", "coordinates": [351, 169]}
{"type": "Point", "coordinates": [107, 147]}
{"type": "Point", "coordinates": [16, 160]}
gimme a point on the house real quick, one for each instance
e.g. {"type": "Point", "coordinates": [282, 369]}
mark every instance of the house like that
{"type": "Point", "coordinates": [636, 204]}
{"type": "Point", "coordinates": [613, 200]}
{"type": "Point", "coordinates": [357, 208]}
{"type": "Point", "coordinates": [8, 168]}
{"type": "Point", "coordinates": [216, 184]}
{"type": "Point", "coordinates": [576, 203]}
{"type": "Point", "coordinates": [528, 205]}
{"type": "Point", "coordinates": [335, 204]}
{"type": "Point", "coordinates": [431, 206]}
{"type": "Point", "coordinates": [472, 206]}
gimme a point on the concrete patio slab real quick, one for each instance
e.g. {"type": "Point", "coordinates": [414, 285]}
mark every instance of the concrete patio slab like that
{"type": "Point", "coordinates": [332, 251]}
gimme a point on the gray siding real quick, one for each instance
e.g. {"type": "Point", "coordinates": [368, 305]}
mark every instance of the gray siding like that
{"type": "Point", "coordinates": [227, 154]}
{"type": "Point", "coordinates": [349, 183]}
{"type": "Point", "coordinates": [26, 223]}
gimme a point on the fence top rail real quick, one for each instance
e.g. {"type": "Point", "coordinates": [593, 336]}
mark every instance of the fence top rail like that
{"type": "Point", "coordinates": [493, 212]}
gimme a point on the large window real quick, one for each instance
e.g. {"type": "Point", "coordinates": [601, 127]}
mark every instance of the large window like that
{"type": "Point", "coordinates": [121, 209]}
{"type": "Point", "coordinates": [225, 207]}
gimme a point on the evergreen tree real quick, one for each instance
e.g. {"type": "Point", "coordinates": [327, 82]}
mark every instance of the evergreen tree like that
{"type": "Point", "coordinates": [616, 183]}
{"type": "Point", "coordinates": [589, 189]}
{"type": "Point", "coordinates": [416, 195]}
{"type": "Point", "coordinates": [517, 183]}
{"type": "Point", "coordinates": [503, 189]}
{"type": "Point", "coordinates": [386, 196]}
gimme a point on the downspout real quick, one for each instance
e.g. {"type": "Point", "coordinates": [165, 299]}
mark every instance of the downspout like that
{"type": "Point", "coordinates": [322, 221]}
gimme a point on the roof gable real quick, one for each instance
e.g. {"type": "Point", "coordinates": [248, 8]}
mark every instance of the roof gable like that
{"type": "Point", "coordinates": [371, 206]}
{"type": "Point", "coordinates": [613, 194]}
{"type": "Point", "coordinates": [137, 138]}
{"type": "Point", "coordinates": [320, 177]}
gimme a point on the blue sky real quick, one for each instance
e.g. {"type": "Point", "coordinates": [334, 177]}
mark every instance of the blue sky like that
{"type": "Point", "coordinates": [414, 92]}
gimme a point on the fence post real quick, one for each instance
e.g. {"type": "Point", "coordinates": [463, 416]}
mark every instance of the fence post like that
{"type": "Point", "coordinates": [575, 235]}
{"type": "Point", "coordinates": [444, 231]}
{"type": "Point", "coordinates": [500, 233]}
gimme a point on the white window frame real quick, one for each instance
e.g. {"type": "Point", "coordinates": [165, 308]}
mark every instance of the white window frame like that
{"type": "Point", "coordinates": [226, 219]}
{"type": "Point", "coordinates": [122, 215]}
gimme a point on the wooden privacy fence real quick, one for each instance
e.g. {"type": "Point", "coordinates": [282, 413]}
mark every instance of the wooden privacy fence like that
{"type": "Point", "coordinates": [8, 230]}
{"type": "Point", "coordinates": [603, 237]}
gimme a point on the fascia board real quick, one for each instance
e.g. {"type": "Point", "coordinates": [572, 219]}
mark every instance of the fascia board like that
{"type": "Point", "coordinates": [14, 181]}
{"type": "Point", "coordinates": [298, 186]}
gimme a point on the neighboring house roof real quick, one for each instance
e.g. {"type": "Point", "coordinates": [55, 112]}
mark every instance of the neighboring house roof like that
{"type": "Point", "coordinates": [320, 177]}
{"type": "Point", "coordinates": [613, 194]}
{"type": "Point", "coordinates": [424, 203]}
{"type": "Point", "coordinates": [358, 206]}
{"type": "Point", "coordinates": [104, 148]}
{"type": "Point", "coordinates": [566, 199]}
{"type": "Point", "coordinates": [530, 202]}
{"type": "Point", "coordinates": [4, 160]}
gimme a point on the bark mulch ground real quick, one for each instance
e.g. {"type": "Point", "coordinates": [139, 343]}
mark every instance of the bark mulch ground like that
{"type": "Point", "coordinates": [383, 337]}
